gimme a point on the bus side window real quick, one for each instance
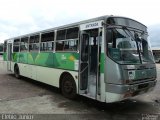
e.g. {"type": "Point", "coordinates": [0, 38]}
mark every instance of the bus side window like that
{"type": "Point", "coordinates": [47, 41]}
{"type": "Point", "coordinates": [34, 43]}
{"type": "Point", "coordinates": [67, 39]}
{"type": "Point", "coordinates": [24, 44]}
{"type": "Point", "coordinates": [72, 38]}
{"type": "Point", "coordinates": [16, 45]}
{"type": "Point", "coordinates": [59, 45]}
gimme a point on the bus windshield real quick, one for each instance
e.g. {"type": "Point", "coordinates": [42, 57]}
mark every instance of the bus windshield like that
{"type": "Point", "coordinates": [124, 48]}
{"type": "Point", "coordinates": [144, 48]}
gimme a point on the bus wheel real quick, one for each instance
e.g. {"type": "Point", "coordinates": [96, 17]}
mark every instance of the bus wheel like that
{"type": "Point", "coordinates": [68, 87]}
{"type": "Point", "coordinates": [16, 71]}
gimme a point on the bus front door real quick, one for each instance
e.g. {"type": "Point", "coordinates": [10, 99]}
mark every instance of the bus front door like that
{"type": "Point", "coordinates": [84, 54]}
{"type": "Point", "coordinates": [9, 56]}
{"type": "Point", "coordinates": [89, 63]}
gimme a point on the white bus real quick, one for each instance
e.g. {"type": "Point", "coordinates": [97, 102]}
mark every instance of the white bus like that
{"type": "Point", "coordinates": [107, 58]}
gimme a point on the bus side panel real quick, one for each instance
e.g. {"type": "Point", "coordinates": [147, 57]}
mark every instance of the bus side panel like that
{"type": "Point", "coordinates": [51, 76]}
{"type": "Point", "coordinates": [46, 75]}
{"type": "Point", "coordinates": [61, 60]}
{"type": "Point", "coordinates": [68, 61]}
{"type": "Point", "coordinates": [32, 71]}
{"type": "Point", "coordinates": [32, 57]}
{"type": "Point", "coordinates": [27, 70]}
{"type": "Point", "coordinates": [45, 59]}
{"type": "Point", "coordinates": [23, 57]}
{"type": "Point", "coordinates": [15, 56]}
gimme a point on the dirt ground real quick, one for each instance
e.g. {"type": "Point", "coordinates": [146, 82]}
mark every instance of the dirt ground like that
{"type": "Point", "coordinates": [25, 96]}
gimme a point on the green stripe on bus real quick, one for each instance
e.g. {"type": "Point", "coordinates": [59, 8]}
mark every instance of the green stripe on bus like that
{"type": "Point", "coordinates": [48, 59]}
{"type": "Point", "coordinates": [102, 63]}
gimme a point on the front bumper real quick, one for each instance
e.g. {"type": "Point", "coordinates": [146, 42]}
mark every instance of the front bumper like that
{"type": "Point", "coordinates": [119, 92]}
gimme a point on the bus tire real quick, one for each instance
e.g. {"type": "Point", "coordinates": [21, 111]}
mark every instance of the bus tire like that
{"type": "Point", "coordinates": [68, 87]}
{"type": "Point", "coordinates": [16, 71]}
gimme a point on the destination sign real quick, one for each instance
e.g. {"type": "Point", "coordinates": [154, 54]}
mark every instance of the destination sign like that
{"type": "Point", "coordinates": [91, 25]}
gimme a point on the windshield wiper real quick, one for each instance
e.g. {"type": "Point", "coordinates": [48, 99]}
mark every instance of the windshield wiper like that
{"type": "Point", "coordinates": [128, 32]}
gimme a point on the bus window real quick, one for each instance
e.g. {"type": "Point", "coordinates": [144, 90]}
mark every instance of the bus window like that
{"type": "Point", "coordinates": [24, 44]}
{"type": "Point", "coordinates": [47, 42]}
{"type": "Point", "coordinates": [67, 40]}
{"type": "Point", "coordinates": [16, 45]}
{"type": "Point", "coordinates": [72, 33]}
{"type": "Point", "coordinates": [61, 34]}
{"type": "Point", "coordinates": [122, 47]}
{"type": "Point", "coordinates": [34, 43]}
{"type": "Point", "coordinates": [70, 45]}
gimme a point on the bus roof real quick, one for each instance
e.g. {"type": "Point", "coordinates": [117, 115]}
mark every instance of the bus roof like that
{"type": "Point", "coordinates": [74, 24]}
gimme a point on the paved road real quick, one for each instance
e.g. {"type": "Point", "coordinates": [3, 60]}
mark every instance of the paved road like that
{"type": "Point", "coordinates": [27, 96]}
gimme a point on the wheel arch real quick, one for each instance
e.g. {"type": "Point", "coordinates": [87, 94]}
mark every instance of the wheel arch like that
{"type": "Point", "coordinates": [63, 75]}
{"type": "Point", "coordinates": [16, 71]}
{"type": "Point", "coordinates": [15, 65]}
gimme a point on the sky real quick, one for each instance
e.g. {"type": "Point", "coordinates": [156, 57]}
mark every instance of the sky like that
{"type": "Point", "coordinates": [18, 17]}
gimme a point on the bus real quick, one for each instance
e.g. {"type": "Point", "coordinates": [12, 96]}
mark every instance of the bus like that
{"type": "Point", "coordinates": [107, 58]}
{"type": "Point", "coordinates": [156, 54]}
{"type": "Point", "coordinates": [1, 48]}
